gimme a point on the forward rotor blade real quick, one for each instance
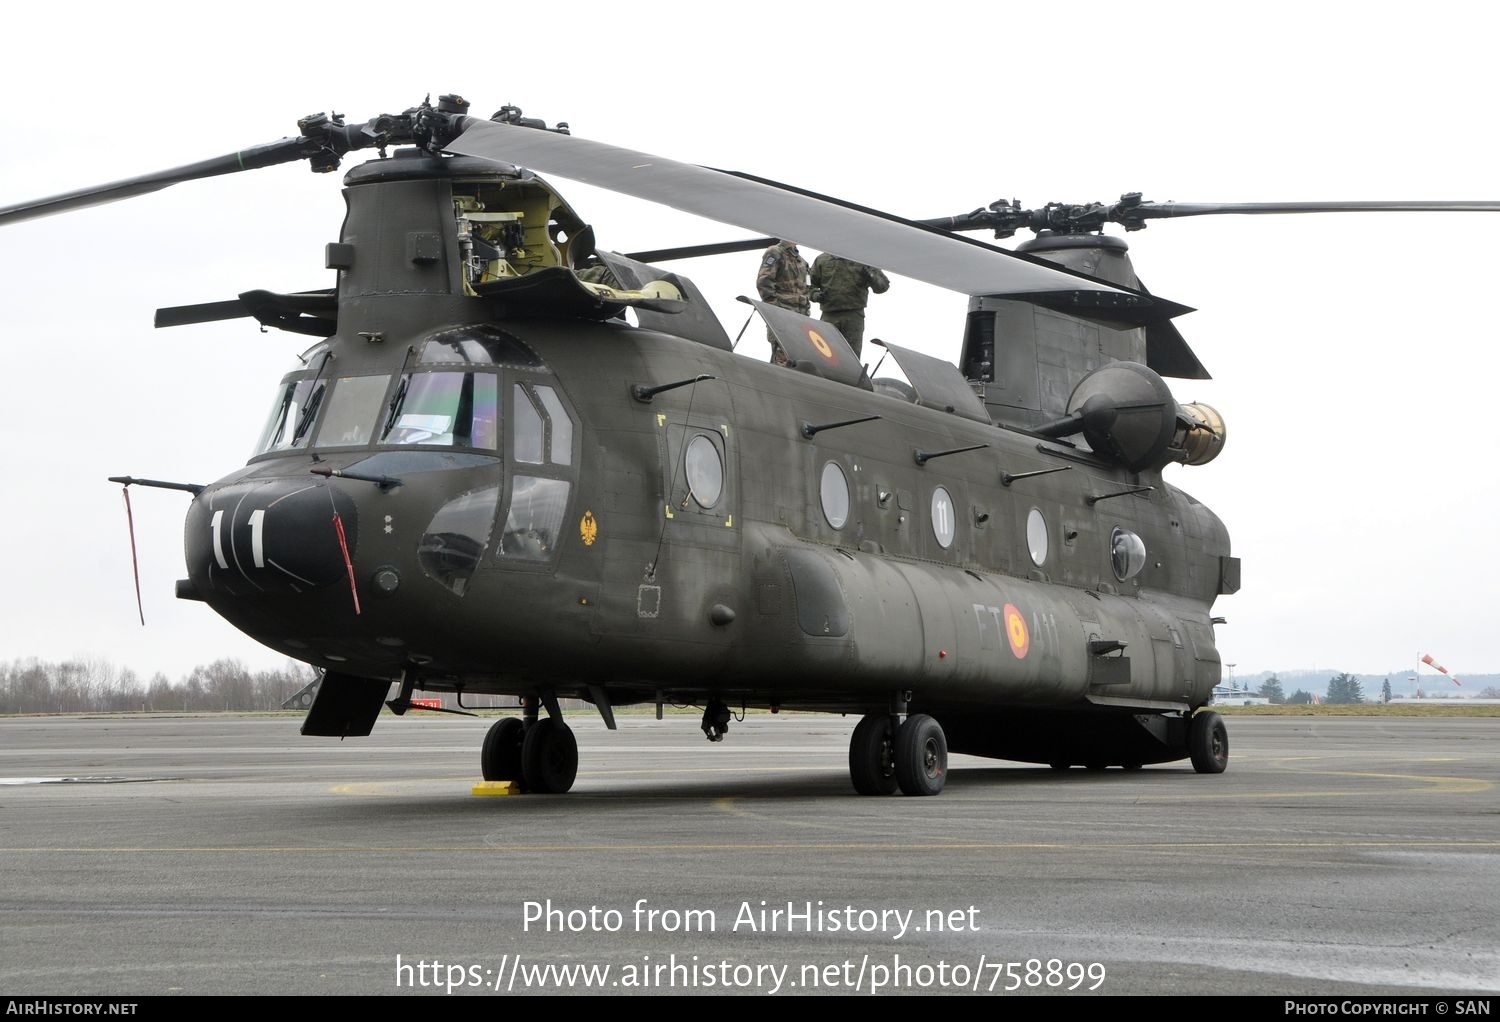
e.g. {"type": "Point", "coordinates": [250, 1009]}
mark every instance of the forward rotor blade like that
{"type": "Point", "coordinates": [284, 151]}
{"type": "Point", "coordinates": [662, 255]}
{"type": "Point", "coordinates": [828, 225]}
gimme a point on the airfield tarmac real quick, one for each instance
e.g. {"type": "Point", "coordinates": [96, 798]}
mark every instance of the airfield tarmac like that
{"type": "Point", "coordinates": [227, 854]}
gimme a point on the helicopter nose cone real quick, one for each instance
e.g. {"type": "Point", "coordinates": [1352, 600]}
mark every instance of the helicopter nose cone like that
{"type": "Point", "coordinates": [269, 536]}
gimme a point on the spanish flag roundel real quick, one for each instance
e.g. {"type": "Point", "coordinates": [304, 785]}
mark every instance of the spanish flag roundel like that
{"type": "Point", "coordinates": [821, 343]}
{"type": "Point", "coordinates": [1015, 631]}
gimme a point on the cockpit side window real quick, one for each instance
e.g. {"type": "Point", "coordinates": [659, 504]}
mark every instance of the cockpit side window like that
{"type": "Point", "coordinates": [542, 441]}
{"type": "Point", "coordinates": [291, 415]}
{"type": "Point", "coordinates": [529, 439]}
{"type": "Point", "coordinates": [533, 521]}
{"type": "Point", "coordinates": [561, 442]}
{"type": "Point", "coordinates": [543, 430]}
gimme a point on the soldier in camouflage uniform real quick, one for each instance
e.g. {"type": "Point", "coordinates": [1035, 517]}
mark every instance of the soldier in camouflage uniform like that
{"type": "Point", "coordinates": [595, 272]}
{"type": "Point", "coordinates": [842, 289]}
{"type": "Point", "coordinates": [782, 281]}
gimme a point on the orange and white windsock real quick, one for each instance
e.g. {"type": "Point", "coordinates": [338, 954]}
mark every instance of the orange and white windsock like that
{"type": "Point", "coordinates": [1427, 659]}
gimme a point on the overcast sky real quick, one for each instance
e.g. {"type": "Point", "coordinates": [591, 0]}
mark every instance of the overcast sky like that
{"type": "Point", "coordinates": [1355, 357]}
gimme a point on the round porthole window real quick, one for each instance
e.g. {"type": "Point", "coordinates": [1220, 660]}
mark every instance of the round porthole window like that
{"type": "Point", "coordinates": [705, 471]}
{"type": "Point", "coordinates": [1127, 554]}
{"type": "Point", "coordinates": [942, 517]}
{"type": "Point", "coordinates": [1036, 537]}
{"type": "Point", "coordinates": [834, 490]}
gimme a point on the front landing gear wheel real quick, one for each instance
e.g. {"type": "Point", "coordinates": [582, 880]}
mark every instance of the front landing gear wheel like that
{"type": "Point", "coordinates": [921, 756]}
{"type": "Point", "coordinates": [549, 757]}
{"type": "Point", "coordinates": [872, 756]}
{"type": "Point", "coordinates": [1208, 742]}
{"type": "Point", "coordinates": [500, 756]}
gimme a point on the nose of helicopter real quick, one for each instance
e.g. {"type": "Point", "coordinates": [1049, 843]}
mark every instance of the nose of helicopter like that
{"type": "Point", "coordinates": [275, 535]}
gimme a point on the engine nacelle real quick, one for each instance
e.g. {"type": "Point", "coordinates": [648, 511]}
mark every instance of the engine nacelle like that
{"type": "Point", "coordinates": [1200, 433]}
{"type": "Point", "coordinates": [1127, 414]}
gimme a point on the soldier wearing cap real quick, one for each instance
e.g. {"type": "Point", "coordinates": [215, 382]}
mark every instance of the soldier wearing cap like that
{"type": "Point", "coordinates": [842, 289]}
{"type": "Point", "coordinates": [782, 281]}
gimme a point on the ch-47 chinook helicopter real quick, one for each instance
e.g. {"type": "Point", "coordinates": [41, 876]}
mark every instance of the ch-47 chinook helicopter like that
{"type": "Point", "coordinates": [483, 479]}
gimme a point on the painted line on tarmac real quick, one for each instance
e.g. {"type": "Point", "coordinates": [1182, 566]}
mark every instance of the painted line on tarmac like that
{"type": "Point", "coordinates": [18, 781]}
{"type": "Point", "coordinates": [769, 846]}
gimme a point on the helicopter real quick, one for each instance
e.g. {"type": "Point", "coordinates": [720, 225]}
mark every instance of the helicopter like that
{"type": "Point", "coordinates": [494, 473]}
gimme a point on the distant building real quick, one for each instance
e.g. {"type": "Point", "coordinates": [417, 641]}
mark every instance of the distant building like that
{"type": "Point", "coordinates": [1224, 695]}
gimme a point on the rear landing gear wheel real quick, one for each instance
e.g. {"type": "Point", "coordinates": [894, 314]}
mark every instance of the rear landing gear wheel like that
{"type": "Point", "coordinates": [1208, 742]}
{"type": "Point", "coordinates": [872, 756]}
{"type": "Point", "coordinates": [500, 756]}
{"type": "Point", "coordinates": [549, 757]}
{"type": "Point", "coordinates": [921, 756]}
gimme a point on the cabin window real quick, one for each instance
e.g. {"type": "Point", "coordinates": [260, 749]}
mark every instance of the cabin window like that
{"type": "Point", "coordinates": [1127, 553]}
{"type": "Point", "coordinates": [1036, 537]}
{"type": "Point", "coordinates": [696, 471]}
{"type": "Point", "coordinates": [353, 411]}
{"type": "Point", "coordinates": [944, 523]}
{"type": "Point", "coordinates": [444, 410]}
{"type": "Point", "coordinates": [705, 471]}
{"type": "Point", "coordinates": [533, 522]}
{"type": "Point", "coordinates": [834, 491]}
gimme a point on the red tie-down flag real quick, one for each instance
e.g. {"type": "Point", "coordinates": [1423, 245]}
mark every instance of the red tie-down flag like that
{"type": "Point", "coordinates": [1427, 659]}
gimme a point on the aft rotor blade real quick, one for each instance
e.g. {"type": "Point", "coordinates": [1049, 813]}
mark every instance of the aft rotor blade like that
{"type": "Point", "coordinates": [284, 151]}
{"type": "Point", "coordinates": [662, 255]}
{"type": "Point", "coordinates": [1171, 209]}
{"type": "Point", "coordinates": [828, 225]}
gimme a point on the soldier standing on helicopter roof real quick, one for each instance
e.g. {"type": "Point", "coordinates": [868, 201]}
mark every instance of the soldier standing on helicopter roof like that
{"type": "Point", "coordinates": [842, 287]}
{"type": "Point", "coordinates": [782, 281]}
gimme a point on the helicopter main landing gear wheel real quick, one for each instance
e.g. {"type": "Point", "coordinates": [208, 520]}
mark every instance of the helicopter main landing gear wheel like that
{"type": "Point", "coordinates": [921, 756]}
{"type": "Point", "coordinates": [872, 755]}
{"type": "Point", "coordinates": [549, 757]}
{"type": "Point", "coordinates": [500, 756]}
{"type": "Point", "coordinates": [1208, 742]}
